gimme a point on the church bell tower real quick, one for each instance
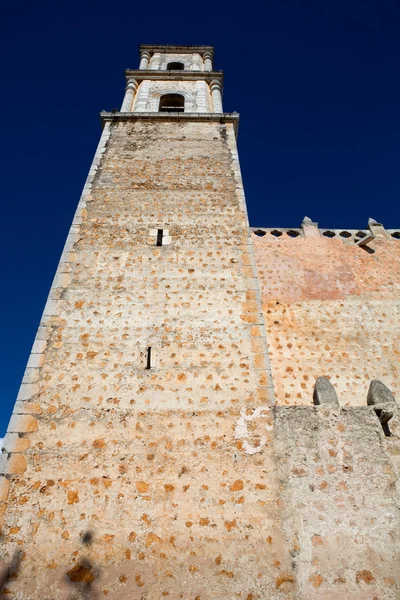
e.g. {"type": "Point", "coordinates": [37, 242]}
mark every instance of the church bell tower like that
{"type": "Point", "coordinates": [149, 456]}
{"type": "Point", "coordinates": [124, 473]}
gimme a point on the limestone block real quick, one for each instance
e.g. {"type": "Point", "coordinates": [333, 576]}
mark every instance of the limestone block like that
{"type": "Point", "coordinates": [43, 333]}
{"type": "Point", "coordinates": [62, 280]}
{"type": "Point", "coordinates": [379, 393]}
{"type": "Point", "coordinates": [39, 346]}
{"type": "Point", "coordinates": [31, 375]}
{"type": "Point", "coordinates": [27, 408]}
{"type": "Point", "coordinates": [3, 463]}
{"type": "Point", "coordinates": [381, 398]}
{"type": "Point", "coordinates": [35, 360]}
{"type": "Point", "coordinates": [52, 308]}
{"type": "Point", "coordinates": [22, 424]}
{"type": "Point", "coordinates": [16, 464]}
{"type": "Point", "coordinates": [27, 390]}
{"type": "Point", "coordinates": [4, 487]}
{"type": "Point", "coordinates": [14, 443]}
{"type": "Point", "coordinates": [324, 392]}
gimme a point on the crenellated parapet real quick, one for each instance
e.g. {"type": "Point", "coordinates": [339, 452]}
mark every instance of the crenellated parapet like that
{"type": "Point", "coordinates": [309, 228]}
{"type": "Point", "coordinates": [379, 397]}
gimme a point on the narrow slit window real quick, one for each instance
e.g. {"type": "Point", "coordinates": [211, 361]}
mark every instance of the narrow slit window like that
{"type": "Point", "coordinates": [148, 362]}
{"type": "Point", "coordinates": [160, 235]}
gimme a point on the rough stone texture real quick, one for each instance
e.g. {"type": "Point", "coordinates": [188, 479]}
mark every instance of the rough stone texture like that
{"type": "Point", "coordinates": [196, 93]}
{"type": "Point", "coordinates": [192, 62]}
{"type": "Point", "coordinates": [136, 483]}
{"type": "Point", "coordinates": [379, 393]}
{"type": "Point", "coordinates": [339, 482]}
{"type": "Point", "coordinates": [186, 480]}
{"type": "Point", "coordinates": [324, 392]}
{"type": "Point", "coordinates": [331, 309]}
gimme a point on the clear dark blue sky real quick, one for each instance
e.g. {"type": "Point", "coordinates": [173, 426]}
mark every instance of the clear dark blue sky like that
{"type": "Point", "coordinates": [317, 85]}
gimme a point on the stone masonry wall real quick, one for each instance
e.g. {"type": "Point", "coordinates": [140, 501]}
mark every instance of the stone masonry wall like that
{"type": "Point", "coordinates": [192, 479]}
{"type": "Point", "coordinates": [331, 309]}
{"type": "Point", "coordinates": [129, 482]}
{"type": "Point", "coordinates": [340, 492]}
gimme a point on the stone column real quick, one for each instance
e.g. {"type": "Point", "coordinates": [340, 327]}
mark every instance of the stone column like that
{"type": "Point", "coordinates": [130, 92]}
{"type": "Point", "coordinates": [207, 57]}
{"type": "Point", "coordinates": [216, 96]}
{"type": "Point", "coordinates": [144, 60]}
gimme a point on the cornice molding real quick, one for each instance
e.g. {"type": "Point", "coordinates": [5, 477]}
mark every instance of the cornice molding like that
{"type": "Point", "coordinates": [113, 117]}
{"type": "Point", "coordinates": [181, 75]}
{"type": "Point", "coordinates": [176, 49]}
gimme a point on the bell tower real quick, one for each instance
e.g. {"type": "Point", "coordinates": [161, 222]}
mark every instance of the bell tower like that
{"type": "Point", "coordinates": [174, 79]}
{"type": "Point", "coordinates": [124, 466]}
{"type": "Point", "coordinates": [149, 456]}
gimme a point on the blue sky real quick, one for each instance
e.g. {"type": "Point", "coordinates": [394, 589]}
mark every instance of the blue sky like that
{"type": "Point", "coordinates": [316, 84]}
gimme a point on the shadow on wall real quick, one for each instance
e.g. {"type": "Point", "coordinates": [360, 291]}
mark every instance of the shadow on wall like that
{"type": "Point", "coordinates": [10, 572]}
{"type": "Point", "coordinates": [81, 577]}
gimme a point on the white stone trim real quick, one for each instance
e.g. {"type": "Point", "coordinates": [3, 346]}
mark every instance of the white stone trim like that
{"type": "Point", "coordinates": [203, 97]}
{"type": "Point", "coordinates": [155, 95]}
{"type": "Point", "coordinates": [144, 60]}
{"type": "Point", "coordinates": [130, 92]}
{"type": "Point", "coordinates": [29, 387]}
{"type": "Point", "coordinates": [254, 283]}
{"type": "Point", "coordinates": [216, 95]}
{"type": "Point", "coordinates": [142, 96]}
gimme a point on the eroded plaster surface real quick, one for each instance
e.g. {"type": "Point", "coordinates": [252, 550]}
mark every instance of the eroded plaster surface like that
{"type": "Point", "coordinates": [199, 477]}
{"type": "Point", "coordinates": [132, 483]}
{"type": "Point", "coordinates": [331, 309]}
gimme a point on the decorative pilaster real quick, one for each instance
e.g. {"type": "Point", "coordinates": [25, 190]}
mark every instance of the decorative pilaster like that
{"type": "Point", "coordinates": [142, 96]}
{"type": "Point", "coordinates": [156, 62]}
{"type": "Point", "coordinates": [215, 87]}
{"type": "Point", "coordinates": [130, 92]}
{"type": "Point", "coordinates": [202, 97]}
{"type": "Point", "coordinates": [144, 60]}
{"type": "Point", "coordinates": [207, 57]}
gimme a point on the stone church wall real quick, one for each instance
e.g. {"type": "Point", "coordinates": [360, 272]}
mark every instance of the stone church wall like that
{"type": "Point", "coordinates": [332, 308]}
{"type": "Point", "coordinates": [130, 482]}
{"type": "Point", "coordinates": [185, 480]}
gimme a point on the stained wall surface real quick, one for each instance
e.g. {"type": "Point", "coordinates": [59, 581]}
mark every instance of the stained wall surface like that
{"type": "Point", "coordinates": [186, 480]}
{"type": "Point", "coordinates": [130, 482]}
{"type": "Point", "coordinates": [340, 495]}
{"type": "Point", "coordinates": [331, 309]}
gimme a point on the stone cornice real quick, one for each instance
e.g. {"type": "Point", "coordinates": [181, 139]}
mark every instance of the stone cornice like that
{"type": "Point", "coordinates": [176, 49]}
{"type": "Point", "coordinates": [107, 117]}
{"type": "Point", "coordinates": [154, 75]}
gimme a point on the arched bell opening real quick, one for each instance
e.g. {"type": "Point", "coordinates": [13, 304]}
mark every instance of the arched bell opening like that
{"type": "Point", "coordinates": [172, 103]}
{"type": "Point", "coordinates": [175, 66]}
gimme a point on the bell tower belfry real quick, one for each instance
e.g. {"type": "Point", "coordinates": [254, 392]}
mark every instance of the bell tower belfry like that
{"type": "Point", "coordinates": [174, 79]}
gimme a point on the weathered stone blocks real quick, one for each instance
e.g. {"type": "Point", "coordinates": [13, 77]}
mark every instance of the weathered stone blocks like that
{"type": "Point", "coordinates": [324, 392]}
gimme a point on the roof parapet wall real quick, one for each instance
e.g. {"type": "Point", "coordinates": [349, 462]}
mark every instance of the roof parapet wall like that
{"type": "Point", "coordinates": [308, 228]}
